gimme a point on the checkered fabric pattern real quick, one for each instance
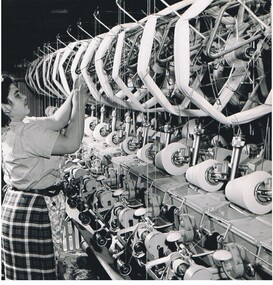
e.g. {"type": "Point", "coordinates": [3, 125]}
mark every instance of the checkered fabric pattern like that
{"type": "Point", "coordinates": [26, 241]}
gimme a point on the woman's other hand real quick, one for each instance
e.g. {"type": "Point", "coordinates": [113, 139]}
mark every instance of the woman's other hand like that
{"type": "Point", "coordinates": [78, 82]}
{"type": "Point", "coordinates": [80, 90]}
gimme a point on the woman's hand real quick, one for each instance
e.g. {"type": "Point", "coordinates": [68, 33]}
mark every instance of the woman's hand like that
{"type": "Point", "coordinates": [78, 82]}
{"type": "Point", "coordinates": [70, 141]}
{"type": "Point", "coordinates": [80, 91]}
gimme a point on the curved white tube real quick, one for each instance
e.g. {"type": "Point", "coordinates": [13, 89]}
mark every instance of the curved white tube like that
{"type": "Point", "coordinates": [31, 74]}
{"type": "Point", "coordinates": [30, 80]}
{"type": "Point", "coordinates": [27, 75]}
{"type": "Point", "coordinates": [182, 73]}
{"type": "Point", "coordinates": [117, 62]}
{"type": "Point", "coordinates": [175, 7]}
{"type": "Point", "coordinates": [145, 51]}
{"type": "Point", "coordinates": [83, 46]}
{"type": "Point", "coordinates": [140, 93]}
{"type": "Point", "coordinates": [99, 65]}
{"type": "Point", "coordinates": [38, 77]}
{"type": "Point", "coordinates": [195, 9]}
{"type": "Point", "coordinates": [55, 72]}
{"type": "Point", "coordinates": [115, 72]}
{"type": "Point", "coordinates": [87, 58]}
{"type": "Point", "coordinates": [49, 76]}
{"type": "Point", "coordinates": [46, 67]}
{"type": "Point", "coordinates": [68, 51]}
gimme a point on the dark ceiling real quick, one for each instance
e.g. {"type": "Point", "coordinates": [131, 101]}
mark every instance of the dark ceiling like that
{"type": "Point", "coordinates": [29, 24]}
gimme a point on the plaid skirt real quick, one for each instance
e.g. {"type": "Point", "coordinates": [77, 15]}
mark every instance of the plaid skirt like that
{"type": "Point", "coordinates": [26, 241]}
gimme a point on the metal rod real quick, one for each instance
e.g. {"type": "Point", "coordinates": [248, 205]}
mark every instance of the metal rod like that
{"type": "Point", "coordinates": [168, 6]}
{"type": "Point", "coordinates": [127, 124]}
{"type": "Point", "coordinates": [114, 119]}
{"type": "Point", "coordinates": [253, 15]}
{"type": "Point", "coordinates": [102, 110]}
{"type": "Point", "coordinates": [58, 40]}
{"type": "Point", "coordinates": [49, 47]}
{"type": "Point", "coordinates": [27, 62]}
{"type": "Point", "coordinates": [196, 31]}
{"type": "Point", "coordinates": [127, 13]}
{"type": "Point", "coordinates": [99, 21]}
{"type": "Point", "coordinates": [35, 53]}
{"type": "Point", "coordinates": [237, 144]}
{"type": "Point", "coordinates": [68, 32]}
{"type": "Point", "coordinates": [39, 50]}
{"type": "Point", "coordinates": [197, 140]}
{"type": "Point", "coordinates": [167, 132]}
{"type": "Point", "coordinates": [145, 134]}
{"type": "Point", "coordinates": [79, 25]}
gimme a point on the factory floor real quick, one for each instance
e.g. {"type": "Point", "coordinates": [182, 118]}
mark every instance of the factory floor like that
{"type": "Point", "coordinates": [74, 264]}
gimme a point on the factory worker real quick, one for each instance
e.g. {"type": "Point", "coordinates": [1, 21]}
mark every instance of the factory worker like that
{"type": "Point", "coordinates": [33, 208]}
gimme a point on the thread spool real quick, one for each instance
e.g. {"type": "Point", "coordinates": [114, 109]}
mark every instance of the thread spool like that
{"type": "Point", "coordinates": [218, 141]}
{"type": "Point", "coordinates": [68, 164]}
{"type": "Point", "coordinates": [78, 172]}
{"type": "Point", "coordinates": [242, 191]}
{"type": "Point", "coordinates": [143, 153]}
{"type": "Point", "coordinates": [188, 129]}
{"type": "Point", "coordinates": [126, 147]}
{"type": "Point", "coordinates": [106, 199]}
{"type": "Point", "coordinates": [180, 266]}
{"type": "Point", "coordinates": [109, 139]}
{"type": "Point", "coordinates": [155, 243]}
{"type": "Point", "coordinates": [89, 184]}
{"type": "Point", "coordinates": [197, 272]}
{"type": "Point", "coordinates": [87, 125]}
{"type": "Point", "coordinates": [165, 159]}
{"type": "Point", "coordinates": [198, 176]}
{"type": "Point", "coordinates": [126, 217]}
{"type": "Point", "coordinates": [186, 142]}
{"type": "Point", "coordinates": [98, 133]}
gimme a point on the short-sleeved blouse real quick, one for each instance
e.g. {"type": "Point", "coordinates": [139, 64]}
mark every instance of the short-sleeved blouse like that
{"type": "Point", "coordinates": [26, 155]}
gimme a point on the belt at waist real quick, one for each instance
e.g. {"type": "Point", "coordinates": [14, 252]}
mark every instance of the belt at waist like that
{"type": "Point", "coordinates": [50, 191]}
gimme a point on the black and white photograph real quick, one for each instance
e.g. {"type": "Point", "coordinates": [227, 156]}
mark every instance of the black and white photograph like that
{"type": "Point", "coordinates": [136, 140]}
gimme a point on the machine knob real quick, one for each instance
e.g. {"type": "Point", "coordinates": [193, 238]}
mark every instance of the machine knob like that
{"type": "Point", "coordinates": [222, 255]}
{"type": "Point", "coordinates": [140, 212]}
{"type": "Point", "coordinates": [140, 249]}
{"type": "Point", "coordinates": [179, 267]}
{"type": "Point", "coordinates": [124, 268]}
{"type": "Point", "coordinates": [114, 224]}
{"type": "Point", "coordinates": [72, 202]}
{"type": "Point", "coordinates": [118, 192]}
{"type": "Point", "coordinates": [174, 237]}
{"type": "Point", "coordinates": [100, 178]}
{"type": "Point", "coordinates": [100, 240]}
{"type": "Point", "coordinates": [84, 218]}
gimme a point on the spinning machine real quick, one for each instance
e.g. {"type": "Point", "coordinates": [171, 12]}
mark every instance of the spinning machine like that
{"type": "Point", "coordinates": [174, 178]}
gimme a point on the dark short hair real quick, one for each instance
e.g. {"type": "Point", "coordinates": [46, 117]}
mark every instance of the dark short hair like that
{"type": "Point", "coordinates": [6, 81]}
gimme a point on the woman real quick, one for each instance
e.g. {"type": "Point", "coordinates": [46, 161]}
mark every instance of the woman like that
{"type": "Point", "coordinates": [33, 208]}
